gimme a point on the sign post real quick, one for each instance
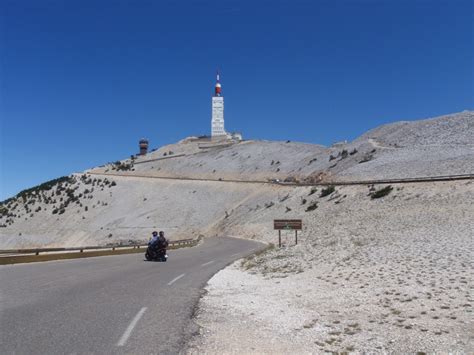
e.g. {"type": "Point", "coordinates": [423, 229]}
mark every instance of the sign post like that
{"type": "Point", "coordinates": [287, 224]}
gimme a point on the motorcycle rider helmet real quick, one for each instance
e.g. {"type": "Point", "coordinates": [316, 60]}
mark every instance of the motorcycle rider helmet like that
{"type": "Point", "coordinates": [155, 233]}
{"type": "Point", "coordinates": [162, 233]}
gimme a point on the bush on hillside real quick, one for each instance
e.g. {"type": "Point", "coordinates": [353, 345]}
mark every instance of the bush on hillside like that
{"type": "Point", "coordinates": [122, 166]}
{"type": "Point", "coordinates": [381, 192]}
{"type": "Point", "coordinates": [48, 185]}
{"type": "Point", "coordinates": [327, 191]}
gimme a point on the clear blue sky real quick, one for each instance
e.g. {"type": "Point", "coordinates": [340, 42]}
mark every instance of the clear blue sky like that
{"type": "Point", "coordinates": [82, 81]}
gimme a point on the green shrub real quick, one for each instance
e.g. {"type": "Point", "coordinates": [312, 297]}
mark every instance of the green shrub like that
{"type": "Point", "coordinates": [381, 192]}
{"type": "Point", "coordinates": [313, 190]}
{"type": "Point", "coordinates": [48, 185]}
{"type": "Point", "coordinates": [3, 211]}
{"type": "Point", "coordinates": [312, 206]}
{"type": "Point", "coordinates": [327, 191]}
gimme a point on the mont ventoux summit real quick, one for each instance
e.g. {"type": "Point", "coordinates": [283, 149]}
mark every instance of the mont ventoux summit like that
{"type": "Point", "coordinates": [379, 268]}
{"type": "Point", "coordinates": [114, 203]}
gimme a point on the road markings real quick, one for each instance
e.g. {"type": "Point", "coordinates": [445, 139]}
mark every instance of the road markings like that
{"type": "Point", "coordinates": [208, 263]}
{"type": "Point", "coordinates": [128, 331]}
{"type": "Point", "coordinates": [175, 279]}
{"type": "Point", "coordinates": [234, 255]}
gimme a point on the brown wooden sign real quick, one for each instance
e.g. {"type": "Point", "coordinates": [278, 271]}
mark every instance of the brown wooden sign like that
{"type": "Point", "coordinates": [288, 224]}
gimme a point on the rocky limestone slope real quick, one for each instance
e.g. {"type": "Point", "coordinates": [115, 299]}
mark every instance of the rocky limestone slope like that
{"type": "Point", "coordinates": [438, 146]}
{"type": "Point", "coordinates": [124, 201]}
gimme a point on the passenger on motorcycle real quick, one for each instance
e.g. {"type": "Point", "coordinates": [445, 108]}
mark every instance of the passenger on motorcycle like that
{"type": "Point", "coordinates": [162, 240]}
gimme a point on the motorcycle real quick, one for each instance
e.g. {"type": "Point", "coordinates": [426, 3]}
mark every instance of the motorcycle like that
{"type": "Point", "coordinates": [154, 253]}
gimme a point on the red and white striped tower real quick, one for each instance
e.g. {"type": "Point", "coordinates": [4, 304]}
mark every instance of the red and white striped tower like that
{"type": "Point", "coordinates": [217, 123]}
{"type": "Point", "coordinates": [217, 90]}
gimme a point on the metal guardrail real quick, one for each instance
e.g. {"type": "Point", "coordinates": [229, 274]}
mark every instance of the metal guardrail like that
{"type": "Point", "coordinates": [37, 251]}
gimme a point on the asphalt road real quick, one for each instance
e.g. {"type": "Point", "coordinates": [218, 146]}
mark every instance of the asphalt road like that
{"type": "Point", "coordinates": [110, 304]}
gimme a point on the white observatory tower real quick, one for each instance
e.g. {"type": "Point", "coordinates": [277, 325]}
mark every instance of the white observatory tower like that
{"type": "Point", "coordinates": [217, 124]}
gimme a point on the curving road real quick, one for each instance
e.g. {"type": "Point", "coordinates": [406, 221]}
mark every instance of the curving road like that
{"type": "Point", "coordinates": [439, 178]}
{"type": "Point", "coordinates": [112, 304]}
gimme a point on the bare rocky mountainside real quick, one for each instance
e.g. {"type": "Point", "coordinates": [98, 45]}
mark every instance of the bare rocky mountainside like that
{"type": "Point", "coordinates": [121, 202]}
{"type": "Point", "coordinates": [379, 268]}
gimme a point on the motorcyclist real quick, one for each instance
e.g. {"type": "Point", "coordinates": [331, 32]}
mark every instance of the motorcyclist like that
{"type": "Point", "coordinates": [158, 241]}
{"type": "Point", "coordinates": [157, 247]}
{"type": "Point", "coordinates": [154, 238]}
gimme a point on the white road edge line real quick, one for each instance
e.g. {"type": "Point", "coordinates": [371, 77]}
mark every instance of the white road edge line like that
{"type": "Point", "coordinates": [208, 263]}
{"type": "Point", "coordinates": [175, 279]}
{"type": "Point", "coordinates": [128, 331]}
{"type": "Point", "coordinates": [234, 255]}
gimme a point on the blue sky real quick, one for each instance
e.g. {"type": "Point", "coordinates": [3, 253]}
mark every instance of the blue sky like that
{"type": "Point", "coordinates": [82, 81]}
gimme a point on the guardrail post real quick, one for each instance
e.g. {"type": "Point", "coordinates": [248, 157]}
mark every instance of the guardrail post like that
{"type": "Point", "coordinates": [37, 253]}
{"type": "Point", "coordinates": [82, 250]}
{"type": "Point", "coordinates": [113, 249]}
{"type": "Point", "coordinates": [279, 238]}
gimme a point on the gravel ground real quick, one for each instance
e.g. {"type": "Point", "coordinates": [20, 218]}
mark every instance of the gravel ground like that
{"type": "Point", "coordinates": [397, 277]}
